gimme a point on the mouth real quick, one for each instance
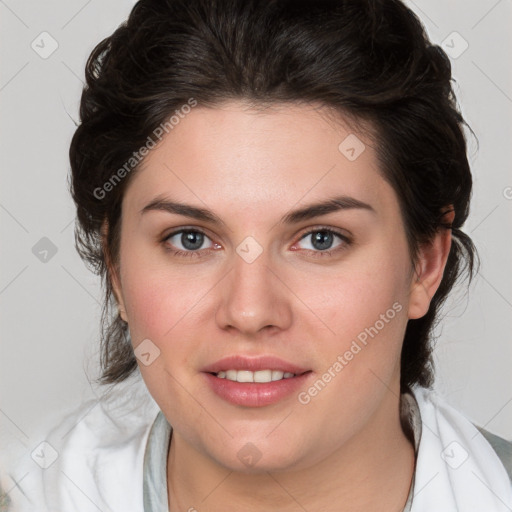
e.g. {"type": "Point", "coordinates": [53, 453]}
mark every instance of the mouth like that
{"type": "Point", "coordinates": [255, 382]}
{"type": "Point", "coordinates": [261, 376]}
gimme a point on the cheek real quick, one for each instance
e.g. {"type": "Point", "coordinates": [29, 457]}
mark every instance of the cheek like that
{"type": "Point", "coordinates": [364, 305]}
{"type": "Point", "coordinates": [366, 312]}
{"type": "Point", "coordinates": [163, 308]}
{"type": "Point", "coordinates": [157, 304]}
{"type": "Point", "coordinates": [355, 297]}
{"type": "Point", "coordinates": [158, 299]}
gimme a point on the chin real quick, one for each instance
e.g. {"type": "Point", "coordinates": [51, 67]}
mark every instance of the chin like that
{"type": "Point", "coordinates": [254, 457]}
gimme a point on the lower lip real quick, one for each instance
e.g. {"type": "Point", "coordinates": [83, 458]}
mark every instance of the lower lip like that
{"type": "Point", "coordinates": [255, 394]}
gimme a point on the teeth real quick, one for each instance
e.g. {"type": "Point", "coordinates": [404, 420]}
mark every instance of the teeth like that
{"type": "Point", "coordinates": [263, 376]}
{"type": "Point", "coordinates": [259, 376]}
{"type": "Point", "coordinates": [277, 375]}
{"type": "Point", "coordinates": [244, 376]}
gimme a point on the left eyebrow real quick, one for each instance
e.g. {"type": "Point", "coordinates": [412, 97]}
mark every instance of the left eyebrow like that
{"type": "Point", "coordinates": [323, 208]}
{"type": "Point", "coordinates": [308, 212]}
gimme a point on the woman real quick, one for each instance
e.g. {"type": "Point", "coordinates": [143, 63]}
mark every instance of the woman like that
{"type": "Point", "coordinates": [273, 193]}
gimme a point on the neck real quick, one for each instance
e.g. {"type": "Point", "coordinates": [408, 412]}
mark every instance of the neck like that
{"type": "Point", "coordinates": [373, 471]}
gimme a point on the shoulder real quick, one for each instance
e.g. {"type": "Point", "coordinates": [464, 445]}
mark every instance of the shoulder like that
{"type": "Point", "coordinates": [502, 447]}
{"type": "Point", "coordinates": [93, 457]}
{"type": "Point", "coordinates": [463, 453]}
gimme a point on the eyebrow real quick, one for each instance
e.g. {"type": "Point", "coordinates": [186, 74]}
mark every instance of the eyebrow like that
{"type": "Point", "coordinates": [311, 211]}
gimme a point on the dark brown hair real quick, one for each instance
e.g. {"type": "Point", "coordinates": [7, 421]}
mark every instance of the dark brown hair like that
{"type": "Point", "coordinates": [369, 59]}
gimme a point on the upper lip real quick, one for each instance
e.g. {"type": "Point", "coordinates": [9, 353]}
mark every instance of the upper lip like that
{"type": "Point", "coordinates": [240, 362]}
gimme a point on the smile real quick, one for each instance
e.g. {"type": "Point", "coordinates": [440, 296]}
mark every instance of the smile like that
{"type": "Point", "coordinates": [261, 376]}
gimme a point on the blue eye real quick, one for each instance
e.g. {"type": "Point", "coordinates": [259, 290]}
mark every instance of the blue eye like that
{"type": "Point", "coordinates": [325, 241]}
{"type": "Point", "coordinates": [319, 242]}
{"type": "Point", "coordinates": [188, 240]}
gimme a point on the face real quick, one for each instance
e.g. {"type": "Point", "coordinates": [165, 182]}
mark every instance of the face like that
{"type": "Point", "coordinates": [228, 273]}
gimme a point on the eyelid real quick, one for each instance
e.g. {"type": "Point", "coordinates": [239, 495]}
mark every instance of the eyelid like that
{"type": "Point", "coordinates": [180, 253]}
{"type": "Point", "coordinates": [337, 231]}
{"type": "Point", "coordinates": [175, 231]}
{"type": "Point", "coordinates": [307, 231]}
{"type": "Point", "coordinates": [345, 243]}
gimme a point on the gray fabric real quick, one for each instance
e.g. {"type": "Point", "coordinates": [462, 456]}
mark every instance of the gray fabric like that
{"type": "Point", "coordinates": [502, 447]}
{"type": "Point", "coordinates": [411, 423]}
{"type": "Point", "coordinates": [155, 466]}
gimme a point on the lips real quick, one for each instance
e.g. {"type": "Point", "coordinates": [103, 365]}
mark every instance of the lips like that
{"type": "Point", "coordinates": [244, 381]}
{"type": "Point", "coordinates": [254, 364]}
{"type": "Point", "coordinates": [258, 376]}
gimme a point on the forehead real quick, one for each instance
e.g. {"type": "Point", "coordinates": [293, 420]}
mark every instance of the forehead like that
{"type": "Point", "coordinates": [272, 158]}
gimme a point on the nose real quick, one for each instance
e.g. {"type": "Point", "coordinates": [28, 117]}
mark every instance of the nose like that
{"type": "Point", "coordinates": [254, 298]}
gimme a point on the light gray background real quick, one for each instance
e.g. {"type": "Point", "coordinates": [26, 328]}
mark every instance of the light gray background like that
{"type": "Point", "coordinates": [50, 310]}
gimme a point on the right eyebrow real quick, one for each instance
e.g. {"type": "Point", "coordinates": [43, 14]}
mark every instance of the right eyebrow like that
{"type": "Point", "coordinates": [186, 210]}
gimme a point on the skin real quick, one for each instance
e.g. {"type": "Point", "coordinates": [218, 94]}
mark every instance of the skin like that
{"type": "Point", "coordinates": [344, 450]}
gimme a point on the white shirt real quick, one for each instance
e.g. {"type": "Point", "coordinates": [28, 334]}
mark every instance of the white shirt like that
{"type": "Point", "coordinates": [111, 456]}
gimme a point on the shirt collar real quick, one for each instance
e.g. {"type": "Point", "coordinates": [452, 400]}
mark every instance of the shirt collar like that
{"type": "Point", "coordinates": [155, 466]}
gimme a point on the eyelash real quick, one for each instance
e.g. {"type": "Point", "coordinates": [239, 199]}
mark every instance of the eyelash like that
{"type": "Point", "coordinates": [346, 241]}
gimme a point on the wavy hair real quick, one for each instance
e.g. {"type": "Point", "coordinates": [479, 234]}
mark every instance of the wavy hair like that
{"type": "Point", "coordinates": [368, 59]}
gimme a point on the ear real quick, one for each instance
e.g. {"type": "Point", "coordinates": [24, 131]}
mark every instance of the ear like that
{"type": "Point", "coordinates": [112, 274]}
{"type": "Point", "coordinates": [429, 269]}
